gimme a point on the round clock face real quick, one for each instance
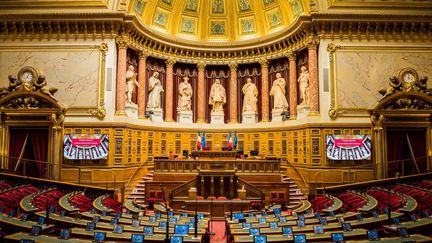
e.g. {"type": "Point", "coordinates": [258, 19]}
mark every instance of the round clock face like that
{"type": "Point", "coordinates": [27, 76]}
{"type": "Point", "coordinates": [408, 77]}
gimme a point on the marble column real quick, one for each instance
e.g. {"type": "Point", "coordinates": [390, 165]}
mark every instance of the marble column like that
{"type": "Point", "coordinates": [292, 85]}
{"type": "Point", "coordinates": [201, 93]}
{"type": "Point", "coordinates": [142, 56]}
{"type": "Point", "coordinates": [169, 90]}
{"type": "Point", "coordinates": [313, 78]}
{"type": "Point", "coordinates": [264, 91]}
{"type": "Point", "coordinates": [233, 93]}
{"type": "Point", "coordinates": [121, 78]}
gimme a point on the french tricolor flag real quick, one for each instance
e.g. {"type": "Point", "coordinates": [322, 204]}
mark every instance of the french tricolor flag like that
{"type": "Point", "coordinates": [230, 140]}
{"type": "Point", "coordinates": [199, 141]}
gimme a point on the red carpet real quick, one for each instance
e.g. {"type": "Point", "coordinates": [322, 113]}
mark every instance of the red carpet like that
{"type": "Point", "coordinates": [218, 227]}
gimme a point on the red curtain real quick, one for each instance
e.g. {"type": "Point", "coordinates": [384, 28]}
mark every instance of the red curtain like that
{"type": "Point", "coordinates": [281, 66]}
{"type": "Point", "coordinates": [39, 140]}
{"type": "Point", "coordinates": [190, 71]}
{"type": "Point", "coordinates": [417, 139]}
{"type": "Point", "coordinates": [212, 73]}
{"type": "Point", "coordinates": [17, 138]}
{"type": "Point", "coordinates": [395, 144]}
{"type": "Point", "coordinates": [244, 72]}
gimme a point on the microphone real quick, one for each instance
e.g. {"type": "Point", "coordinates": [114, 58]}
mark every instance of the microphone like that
{"type": "Point", "coordinates": [167, 239]}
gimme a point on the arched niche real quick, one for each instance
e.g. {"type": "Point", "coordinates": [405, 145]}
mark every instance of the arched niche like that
{"type": "Point", "coordinates": [30, 114]}
{"type": "Point", "coordinates": [401, 125]}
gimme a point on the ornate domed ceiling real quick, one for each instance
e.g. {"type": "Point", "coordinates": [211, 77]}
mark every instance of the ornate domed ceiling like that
{"type": "Point", "coordinates": [218, 20]}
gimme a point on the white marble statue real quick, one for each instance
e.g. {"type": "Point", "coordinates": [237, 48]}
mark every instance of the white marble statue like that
{"type": "Point", "coordinates": [217, 96]}
{"type": "Point", "coordinates": [250, 98]}
{"type": "Point", "coordinates": [303, 81]}
{"type": "Point", "coordinates": [155, 92]}
{"type": "Point", "coordinates": [130, 83]}
{"type": "Point", "coordinates": [278, 92]}
{"type": "Point", "coordinates": [185, 96]}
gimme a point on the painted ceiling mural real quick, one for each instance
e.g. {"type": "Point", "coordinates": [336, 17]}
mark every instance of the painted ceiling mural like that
{"type": "Point", "coordinates": [219, 20]}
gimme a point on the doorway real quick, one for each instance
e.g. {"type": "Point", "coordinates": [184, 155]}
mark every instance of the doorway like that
{"type": "Point", "coordinates": [28, 151]}
{"type": "Point", "coordinates": [406, 151]}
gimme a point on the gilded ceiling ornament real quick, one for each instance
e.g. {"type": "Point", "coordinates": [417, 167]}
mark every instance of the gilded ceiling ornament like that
{"type": "Point", "coordinates": [217, 27]}
{"type": "Point", "coordinates": [218, 6]}
{"type": "Point", "coordinates": [139, 6]}
{"type": "Point", "coordinates": [248, 25]}
{"type": "Point", "coordinates": [267, 2]}
{"type": "Point", "coordinates": [244, 5]}
{"type": "Point", "coordinates": [191, 5]}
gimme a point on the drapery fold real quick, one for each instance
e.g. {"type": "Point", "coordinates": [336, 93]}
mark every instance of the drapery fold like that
{"type": "Point", "coordinates": [39, 140]}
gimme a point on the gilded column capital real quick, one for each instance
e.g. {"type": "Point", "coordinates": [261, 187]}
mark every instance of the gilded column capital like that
{"type": "Point", "coordinates": [264, 62]}
{"type": "Point", "coordinates": [122, 43]}
{"type": "Point", "coordinates": [233, 66]}
{"type": "Point", "coordinates": [170, 62]}
{"type": "Point", "coordinates": [201, 66]}
{"type": "Point", "coordinates": [291, 56]}
{"type": "Point", "coordinates": [143, 54]}
{"type": "Point", "coordinates": [312, 43]}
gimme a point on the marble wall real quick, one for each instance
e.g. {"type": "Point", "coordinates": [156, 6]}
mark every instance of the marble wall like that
{"type": "Point", "coordinates": [75, 72]}
{"type": "Point", "coordinates": [360, 73]}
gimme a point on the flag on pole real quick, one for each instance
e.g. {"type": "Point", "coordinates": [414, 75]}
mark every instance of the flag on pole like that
{"type": "Point", "coordinates": [235, 140]}
{"type": "Point", "coordinates": [230, 141]}
{"type": "Point", "coordinates": [199, 143]}
{"type": "Point", "coordinates": [203, 141]}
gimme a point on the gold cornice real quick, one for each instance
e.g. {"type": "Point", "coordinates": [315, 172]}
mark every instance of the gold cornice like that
{"type": "Point", "coordinates": [307, 29]}
{"type": "Point", "coordinates": [11, 4]}
{"type": "Point", "coordinates": [183, 129]}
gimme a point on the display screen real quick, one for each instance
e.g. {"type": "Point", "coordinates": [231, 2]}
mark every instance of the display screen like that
{"type": "Point", "coordinates": [181, 229]}
{"type": "Point", "coordinates": [85, 146]}
{"type": "Point", "coordinates": [348, 147]}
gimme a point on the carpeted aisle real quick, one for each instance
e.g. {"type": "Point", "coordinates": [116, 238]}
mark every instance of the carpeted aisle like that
{"type": "Point", "coordinates": [218, 227]}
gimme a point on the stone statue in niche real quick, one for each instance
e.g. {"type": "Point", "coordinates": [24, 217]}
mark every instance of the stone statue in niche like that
{"type": "Point", "coordinates": [303, 81]}
{"type": "Point", "coordinates": [278, 92]}
{"type": "Point", "coordinates": [155, 92]}
{"type": "Point", "coordinates": [185, 95]}
{"type": "Point", "coordinates": [250, 98]}
{"type": "Point", "coordinates": [130, 83]}
{"type": "Point", "coordinates": [217, 96]}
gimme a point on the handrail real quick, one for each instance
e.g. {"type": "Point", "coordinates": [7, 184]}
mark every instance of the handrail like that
{"type": "Point", "coordinates": [298, 172]}
{"type": "Point", "coordinates": [133, 175]}
{"type": "Point", "coordinates": [182, 187]}
{"type": "Point", "coordinates": [251, 188]}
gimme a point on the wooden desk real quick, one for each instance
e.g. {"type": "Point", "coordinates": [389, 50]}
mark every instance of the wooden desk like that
{"type": "Point", "coordinates": [18, 223]}
{"type": "Point", "coordinates": [98, 204]}
{"type": "Point", "coordinates": [242, 165]}
{"type": "Point", "coordinates": [157, 237]}
{"type": "Point", "coordinates": [129, 204]}
{"type": "Point", "coordinates": [412, 226]}
{"type": "Point", "coordinates": [127, 226]}
{"type": "Point", "coordinates": [411, 238]}
{"type": "Point", "coordinates": [372, 220]}
{"type": "Point", "coordinates": [217, 208]}
{"type": "Point", "coordinates": [326, 236]}
{"type": "Point", "coordinates": [26, 205]}
{"type": "Point", "coordinates": [41, 238]}
{"type": "Point", "coordinates": [290, 221]}
{"type": "Point", "coordinates": [337, 204]}
{"type": "Point", "coordinates": [64, 203]}
{"type": "Point", "coordinates": [372, 203]}
{"type": "Point", "coordinates": [305, 205]}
